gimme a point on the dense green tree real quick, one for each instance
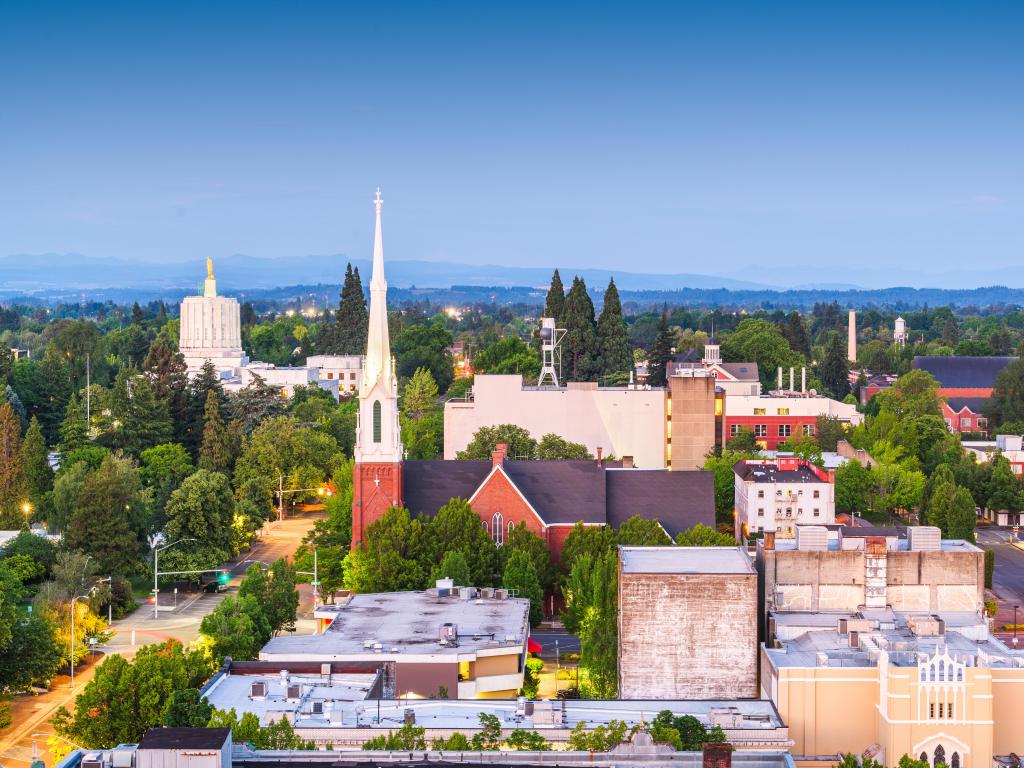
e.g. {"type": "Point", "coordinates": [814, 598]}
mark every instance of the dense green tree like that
{"type": "Point", "coordinates": [521, 538]}
{"type": "Point", "coordinates": [508, 355]}
{"type": "Point", "coordinates": [40, 549]}
{"type": "Point", "coordinates": [660, 355]}
{"type": "Point", "coordinates": [1007, 401]}
{"type": "Point", "coordinates": [579, 344]}
{"type": "Point", "coordinates": [31, 656]}
{"type": "Point", "coordinates": [743, 440]}
{"type": "Point", "coordinates": [1004, 489]}
{"type": "Point", "coordinates": [140, 420]}
{"type": "Point", "coordinates": [603, 738]}
{"type": "Point", "coordinates": [642, 532]}
{"type": "Point", "coordinates": [274, 591]}
{"type": "Point", "coordinates": [456, 527]}
{"type": "Point", "coordinates": [218, 447]}
{"type": "Point", "coordinates": [486, 439]}
{"type": "Point", "coordinates": [55, 373]}
{"type": "Point", "coordinates": [163, 469]}
{"type": "Point", "coordinates": [614, 352]}
{"type": "Point", "coordinates": [961, 516]}
{"type": "Point", "coordinates": [278, 734]}
{"type": "Point", "coordinates": [201, 508]}
{"type": "Point", "coordinates": [253, 405]}
{"type": "Point", "coordinates": [108, 518]}
{"type": "Point", "coordinates": [853, 485]}
{"type": "Point", "coordinates": [592, 540]}
{"type": "Point", "coordinates": [721, 467]}
{"type": "Point", "coordinates": [834, 369]}
{"type": "Point", "coordinates": [165, 367]}
{"type": "Point", "coordinates": [406, 739]}
{"type": "Point", "coordinates": [391, 556]}
{"type": "Point", "coordinates": [914, 394]}
{"type": "Point", "coordinates": [331, 535]}
{"type": "Point", "coordinates": [521, 578]}
{"type": "Point", "coordinates": [421, 418]}
{"type": "Point", "coordinates": [425, 345]}
{"type": "Point", "coordinates": [74, 432]}
{"type": "Point", "coordinates": [554, 302]}
{"type": "Point", "coordinates": [760, 341]}
{"type": "Point", "coordinates": [598, 629]}
{"type": "Point", "coordinates": [828, 431]}
{"type": "Point", "coordinates": [237, 627]}
{"type": "Point", "coordinates": [704, 536]}
{"type": "Point", "coordinates": [347, 334]}
{"type": "Point", "coordinates": [553, 447]}
{"type": "Point", "coordinates": [453, 566]}
{"type": "Point", "coordinates": [126, 698]}
{"type": "Point", "coordinates": [795, 333]}
{"type": "Point", "coordinates": [12, 476]}
{"type": "Point", "coordinates": [186, 708]}
{"type": "Point", "coordinates": [38, 475]}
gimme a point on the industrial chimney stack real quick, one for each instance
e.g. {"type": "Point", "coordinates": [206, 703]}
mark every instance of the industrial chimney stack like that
{"type": "Point", "coordinates": [851, 338]}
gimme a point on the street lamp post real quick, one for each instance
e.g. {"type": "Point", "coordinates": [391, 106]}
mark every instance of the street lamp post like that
{"type": "Point", "coordinates": [156, 572]}
{"type": "Point", "coordinates": [86, 596]}
{"type": "Point", "coordinates": [321, 490]}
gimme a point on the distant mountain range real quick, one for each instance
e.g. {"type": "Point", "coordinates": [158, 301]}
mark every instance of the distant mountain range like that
{"type": "Point", "coordinates": [47, 273]}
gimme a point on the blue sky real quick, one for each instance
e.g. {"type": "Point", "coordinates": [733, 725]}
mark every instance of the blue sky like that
{"type": "Point", "coordinates": [811, 139]}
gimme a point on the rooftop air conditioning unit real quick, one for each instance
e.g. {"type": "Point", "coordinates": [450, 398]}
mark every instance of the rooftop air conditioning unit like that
{"type": "Point", "coordinates": [258, 691]}
{"type": "Point", "coordinates": [294, 692]}
{"type": "Point", "coordinates": [318, 707]}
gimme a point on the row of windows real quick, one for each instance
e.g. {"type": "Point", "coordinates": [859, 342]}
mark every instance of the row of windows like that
{"type": "Point", "coordinates": [945, 711]}
{"type": "Point", "coordinates": [760, 493]}
{"type": "Point", "coordinates": [761, 430]}
{"type": "Point", "coordinates": [789, 511]}
{"type": "Point", "coordinates": [351, 376]}
{"type": "Point", "coordinates": [940, 758]}
{"type": "Point", "coordinates": [497, 528]}
{"type": "Point", "coordinates": [778, 411]}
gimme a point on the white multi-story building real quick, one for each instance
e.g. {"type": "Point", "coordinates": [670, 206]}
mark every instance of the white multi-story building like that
{"type": "Point", "coordinates": [777, 495]}
{"type": "Point", "coordinates": [343, 369]}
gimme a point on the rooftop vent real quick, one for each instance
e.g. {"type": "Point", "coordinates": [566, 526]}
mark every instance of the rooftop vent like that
{"type": "Point", "coordinates": [924, 538]}
{"type": "Point", "coordinates": [258, 691]}
{"type": "Point", "coordinates": [318, 707]}
{"type": "Point", "coordinates": [812, 538]}
{"type": "Point", "coordinates": [294, 693]}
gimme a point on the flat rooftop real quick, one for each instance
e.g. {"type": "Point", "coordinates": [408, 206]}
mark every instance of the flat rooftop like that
{"type": "Point", "coordinates": [768, 473]}
{"type": "Point", "coordinates": [849, 539]}
{"type": "Point", "coordinates": [685, 560]}
{"type": "Point", "coordinates": [815, 640]}
{"type": "Point", "coordinates": [407, 625]}
{"type": "Point", "coordinates": [234, 691]}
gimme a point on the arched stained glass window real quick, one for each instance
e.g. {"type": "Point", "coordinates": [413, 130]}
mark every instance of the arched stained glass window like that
{"type": "Point", "coordinates": [376, 421]}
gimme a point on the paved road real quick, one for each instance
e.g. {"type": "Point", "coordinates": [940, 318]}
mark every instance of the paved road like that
{"type": "Point", "coordinates": [1008, 579]}
{"type": "Point", "coordinates": [32, 714]}
{"type": "Point", "coordinates": [548, 637]}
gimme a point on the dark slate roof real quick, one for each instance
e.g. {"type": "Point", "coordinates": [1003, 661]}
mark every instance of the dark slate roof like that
{"type": "Point", "coordinates": [429, 485]}
{"type": "Point", "coordinates": [571, 491]}
{"type": "Point", "coordinates": [679, 500]}
{"type": "Point", "coordinates": [561, 491]}
{"type": "Point", "coordinates": [973, 404]}
{"type": "Point", "coordinates": [689, 356]}
{"type": "Point", "coordinates": [185, 738]}
{"type": "Point", "coordinates": [741, 371]}
{"type": "Point", "coordinates": [962, 372]}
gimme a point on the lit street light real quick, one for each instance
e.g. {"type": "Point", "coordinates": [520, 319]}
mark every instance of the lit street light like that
{"type": "Point", "coordinates": [321, 490]}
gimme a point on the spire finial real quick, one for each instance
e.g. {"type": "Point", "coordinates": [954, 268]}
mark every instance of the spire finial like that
{"type": "Point", "coordinates": [378, 201]}
{"type": "Point", "coordinates": [209, 268]}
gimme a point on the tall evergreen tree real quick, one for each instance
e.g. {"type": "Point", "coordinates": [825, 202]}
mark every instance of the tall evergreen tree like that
{"type": "Point", "coordinates": [795, 332]}
{"type": "Point", "coordinates": [554, 304]}
{"type": "Point", "coordinates": [137, 314]}
{"type": "Point", "coordinates": [74, 432]}
{"type": "Point", "coordinates": [56, 388]}
{"type": "Point", "coordinates": [12, 480]}
{"type": "Point", "coordinates": [834, 370]}
{"type": "Point", "coordinates": [347, 334]}
{"type": "Point", "coordinates": [660, 355]}
{"type": "Point", "coordinates": [166, 368]}
{"type": "Point", "coordinates": [199, 388]}
{"type": "Point", "coordinates": [579, 345]}
{"type": "Point", "coordinates": [521, 576]}
{"type": "Point", "coordinates": [144, 420]}
{"type": "Point", "coordinates": [615, 354]}
{"type": "Point", "coordinates": [217, 452]}
{"type": "Point", "coordinates": [36, 466]}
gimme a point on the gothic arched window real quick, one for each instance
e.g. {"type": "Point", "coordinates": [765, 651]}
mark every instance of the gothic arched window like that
{"type": "Point", "coordinates": [924, 757]}
{"type": "Point", "coordinates": [376, 421]}
{"type": "Point", "coordinates": [497, 529]}
{"type": "Point", "coordinates": [954, 762]}
{"type": "Point", "coordinates": [940, 756]}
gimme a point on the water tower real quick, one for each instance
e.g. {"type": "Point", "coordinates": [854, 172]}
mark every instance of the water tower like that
{"type": "Point", "coordinates": [899, 331]}
{"type": "Point", "coordinates": [551, 355]}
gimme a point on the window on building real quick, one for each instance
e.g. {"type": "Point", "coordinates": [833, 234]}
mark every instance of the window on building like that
{"type": "Point", "coordinates": [376, 421]}
{"type": "Point", "coordinates": [511, 525]}
{"type": "Point", "coordinates": [817, 494]}
{"type": "Point", "coordinates": [760, 430]}
{"type": "Point", "coordinates": [949, 710]}
{"type": "Point", "coordinates": [965, 423]}
{"type": "Point", "coordinates": [940, 756]}
{"type": "Point", "coordinates": [954, 761]}
{"type": "Point", "coordinates": [785, 430]}
{"type": "Point", "coordinates": [760, 411]}
{"type": "Point", "coordinates": [931, 713]}
{"type": "Point", "coordinates": [760, 511]}
{"type": "Point", "coordinates": [782, 411]}
{"type": "Point", "coordinates": [941, 706]}
{"type": "Point", "coordinates": [760, 493]}
{"type": "Point", "coordinates": [497, 529]}
{"type": "Point", "coordinates": [330, 374]}
{"type": "Point", "coordinates": [924, 757]}
{"type": "Point", "coordinates": [809, 430]}
{"type": "Point", "coordinates": [817, 512]}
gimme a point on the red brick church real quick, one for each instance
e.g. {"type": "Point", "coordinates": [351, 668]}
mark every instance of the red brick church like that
{"type": "Point", "coordinates": [550, 497]}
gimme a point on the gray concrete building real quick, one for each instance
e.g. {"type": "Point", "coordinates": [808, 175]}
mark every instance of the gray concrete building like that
{"type": "Point", "coordinates": [848, 569]}
{"type": "Point", "coordinates": [687, 623]}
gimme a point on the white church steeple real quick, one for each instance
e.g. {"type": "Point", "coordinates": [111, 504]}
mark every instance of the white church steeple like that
{"type": "Point", "coordinates": [378, 436]}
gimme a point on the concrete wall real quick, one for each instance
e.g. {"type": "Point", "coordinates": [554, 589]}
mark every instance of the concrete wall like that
{"type": "Point", "coordinates": [425, 679]}
{"type": "Point", "coordinates": [687, 636]}
{"type": "Point", "coordinates": [621, 421]}
{"type": "Point", "coordinates": [693, 420]}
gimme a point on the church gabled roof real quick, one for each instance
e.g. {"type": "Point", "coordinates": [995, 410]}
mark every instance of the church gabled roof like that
{"type": "Point", "coordinates": [566, 492]}
{"type": "Point", "coordinates": [962, 372]}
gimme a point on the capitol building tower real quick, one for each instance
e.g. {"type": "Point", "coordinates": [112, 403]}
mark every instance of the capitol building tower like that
{"type": "Point", "coordinates": [211, 329]}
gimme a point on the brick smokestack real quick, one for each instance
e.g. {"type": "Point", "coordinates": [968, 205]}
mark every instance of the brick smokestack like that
{"type": "Point", "coordinates": [498, 454]}
{"type": "Point", "coordinates": [600, 451]}
{"type": "Point", "coordinates": [717, 755]}
{"type": "Point", "coordinates": [627, 462]}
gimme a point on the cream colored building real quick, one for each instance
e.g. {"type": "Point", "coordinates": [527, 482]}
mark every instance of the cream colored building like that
{"type": "Point", "coordinates": [621, 421]}
{"type": "Point", "coordinates": [936, 687]}
{"type": "Point", "coordinates": [211, 329]}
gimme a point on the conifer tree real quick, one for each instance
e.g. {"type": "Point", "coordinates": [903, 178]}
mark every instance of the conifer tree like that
{"type": "Point", "coordinates": [795, 332]}
{"type": "Point", "coordinates": [834, 370]}
{"type": "Point", "coordinates": [36, 465]}
{"type": "Point", "coordinates": [217, 451]}
{"type": "Point", "coordinates": [166, 369]}
{"type": "Point", "coordinates": [137, 314]}
{"type": "Point", "coordinates": [615, 354]}
{"type": "Point", "coordinates": [347, 335]}
{"type": "Point", "coordinates": [521, 576]}
{"type": "Point", "coordinates": [660, 355]}
{"type": "Point", "coordinates": [554, 304]}
{"type": "Point", "coordinates": [56, 388]}
{"type": "Point", "coordinates": [579, 345]}
{"type": "Point", "coordinates": [74, 432]}
{"type": "Point", "coordinates": [12, 481]}
{"type": "Point", "coordinates": [199, 388]}
{"type": "Point", "coordinates": [144, 420]}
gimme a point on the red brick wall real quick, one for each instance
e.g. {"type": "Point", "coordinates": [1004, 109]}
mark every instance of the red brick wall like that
{"type": "Point", "coordinates": [772, 439]}
{"type": "Point", "coordinates": [499, 495]}
{"type": "Point", "coordinates": [375, 487]}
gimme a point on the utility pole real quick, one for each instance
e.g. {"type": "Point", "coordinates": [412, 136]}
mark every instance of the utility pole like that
{"type": "Point", "coordinates": [280, 499]}
{"type": "Point", "coordinates": [88, 395]}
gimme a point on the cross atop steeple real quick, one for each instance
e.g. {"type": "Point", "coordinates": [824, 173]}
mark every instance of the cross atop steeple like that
{"type": "Point", "coordinates": [378, 201]}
